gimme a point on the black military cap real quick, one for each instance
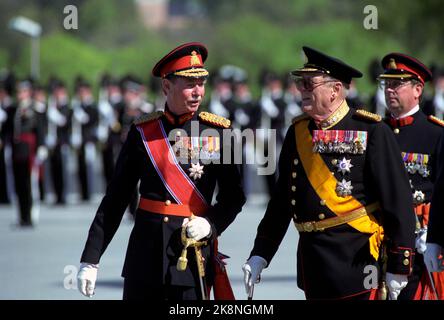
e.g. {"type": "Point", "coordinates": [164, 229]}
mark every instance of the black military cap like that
{"type": "Point", "coordinates": [186, 60]}
{"type": "Point", "coordinates": [402, 66]}
{"type": "Point", "coordinates": [27, 83]}
{"type": "Point", "coordinates": [322, 63]}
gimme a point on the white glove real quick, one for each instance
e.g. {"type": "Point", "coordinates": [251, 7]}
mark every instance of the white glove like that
{"type": "Point", "coordinates": [421, 241]}
{"type": "Point", "coordinates": [42, 153]}
{"type": "Point", "coordinates": [432, 257]}
{"type": "Point", "coordinates": [252, 271]}
{"type": "Point", "coordinates": [86, 278]}
{"type": "Point", "coordinates": [395, 283]}
{"type": "Point", "coordinates": [197, 228]}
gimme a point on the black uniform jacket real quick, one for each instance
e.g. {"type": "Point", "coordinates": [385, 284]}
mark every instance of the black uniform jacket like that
{"type": "Point", "coordinates": [330, 263]}
{"type": "Point", "coordinates": [418, 138]}
{"type": "Point", "coordinates": [435, 232]}
{"type": "Point", "coordinates": [155, 245]}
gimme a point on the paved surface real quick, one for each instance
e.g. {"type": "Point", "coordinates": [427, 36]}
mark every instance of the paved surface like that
{"type": "Point", "coordinates": [39, 263]}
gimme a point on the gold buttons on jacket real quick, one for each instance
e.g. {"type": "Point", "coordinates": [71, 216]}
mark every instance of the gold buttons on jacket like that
{"type": "Point", "coordinates": [322, 202]}
{"type": "Point", "coordinates": [165, 219]}
{"type": "Point", "coordinates": [293, 188]}
{"type": "Point", "coordinates": [293, 202]}
{"type": "Point", "coordinates": [396, 131]}
{"type": "Point", "coordinates": [334, 162]}
{"type": "Point", "coordinates": [296, 161]}
{"type": "Point", "coordinates": [167, 203]}
{"type": "Point", "coordinates": [294, 174]}
{"type": "Point", "coordinates": [321, 216]}
{"type": "Point", "coordinates": [406, 262]}
{"type": "Point", "coordinates": [406, 253]}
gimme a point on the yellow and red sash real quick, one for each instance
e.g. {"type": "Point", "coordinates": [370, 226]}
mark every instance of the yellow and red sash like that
{"type": "Point", "coordinates": [324, 183]}
{"type": "Point", "coordinates": [182, 189]}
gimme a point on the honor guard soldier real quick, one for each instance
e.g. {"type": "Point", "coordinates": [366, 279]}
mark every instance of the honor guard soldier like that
{"type": "Point", "coordinates": [177, 156]}
{"type": "Point", "coordinates": [27, 143]}
{"type": "Point", "coordinates": [343, 183]}
{"type": "Point", "coordinates": [433, 256]}
{"type": "Point", "coordinates": [84, 132]}
{"type": "Point", "coordinates": [58, 139]}
{"type": "Point", "coordinates": [418, 137]}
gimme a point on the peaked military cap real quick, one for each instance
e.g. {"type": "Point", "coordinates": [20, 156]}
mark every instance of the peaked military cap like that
{"type": "Point", "coordinates": [187, 60]}
{"type": "Point", "coordinates": [401, 66]}
{"type": "Point", "coordinates": [322, 63]}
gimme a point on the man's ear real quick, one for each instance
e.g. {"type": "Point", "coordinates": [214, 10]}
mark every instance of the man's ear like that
{"type": "Point", "coordinates": [417, 90]}
{"type": "Point", "coordinates": [166, 86]}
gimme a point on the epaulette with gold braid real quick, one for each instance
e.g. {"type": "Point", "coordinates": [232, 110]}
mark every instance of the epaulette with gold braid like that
{"type": "Point", "coordinates": [148, 117]}
{"type": "Point", "coordinates": [368, 115]}
{"type": "Point", "coordinates": [300, 118]}
{"type": "Point", "coordinates": [214, 119]}
{"type": "Point", "coordinates": [436, 120]}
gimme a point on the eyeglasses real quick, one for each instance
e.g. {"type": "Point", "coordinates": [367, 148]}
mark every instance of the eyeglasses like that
{"type": "Point", "coordinates": [393, 84]}
{"type": "Point", "coordinates": [309, 85]}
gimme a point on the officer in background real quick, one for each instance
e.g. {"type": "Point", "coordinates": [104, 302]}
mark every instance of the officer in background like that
{"type": "Point", "coordinates": [418, 137]}
{"type": "Point", "coordinates": [84, 135]}
{"type": "Point", "coordinates": [40, 107]}
{"type": "Point", "coordinates": [273, 108]}
{"type": "Point", "coordinates": [27, 144]}
{"type": "Point", "coordinates": [433, 256]}
{"type": "Point", "coordinates": [109, 130]}
{"type": "Point", "coordinates": [343, 183]}
{"type": "Point", "coordinates": [433, 103]}
{"type": "Point", "coordinates": [178, 170]}
{"type": "Point", "coordinates": [7, 83]}
{"type": "Point", "coordinates": [58, 138]}
{"type": "Point", "coordinates": [377, 100]}
{"type": "Point", "coordinates": [135, 106]}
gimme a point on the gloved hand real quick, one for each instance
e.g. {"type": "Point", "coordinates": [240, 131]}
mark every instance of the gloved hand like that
{"type": "Point", "coordinates": [197, 228]}
{"type": "Point", "coordinates": [432, 257]}
{"type": "Point", "coordinates": [252, 271]}
{"type": "Point", "coordinates": [42, 153]}
{"type": "Point", "coordinates": [421, 241]}
{"type": "Point", "coordinates": [395, 283]}
{"type": "Point", "coordinates": [86, 278]}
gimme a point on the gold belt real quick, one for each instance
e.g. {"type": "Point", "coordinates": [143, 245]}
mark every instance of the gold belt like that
{"type": "Point", "coordinates": [313, 226]}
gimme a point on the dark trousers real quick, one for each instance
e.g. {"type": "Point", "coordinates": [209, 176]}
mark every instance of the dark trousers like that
{"type": "Point", "coordinates": [57, 174]}
{"type": "Point", "coordinates": [135, 289]}
{"type": "Point", "coordinates": [22, 180]}
{"type": "Point", "coordinates": [83, 174]}
{"type": "Point", "coordinates": [3, 182]}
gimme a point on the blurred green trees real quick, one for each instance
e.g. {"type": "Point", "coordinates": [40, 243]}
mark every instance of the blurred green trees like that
{"type": "Point", "coordinates": [253, 34]}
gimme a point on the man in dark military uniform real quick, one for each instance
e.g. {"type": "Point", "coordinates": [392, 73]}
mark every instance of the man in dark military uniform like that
{"type": "Point", "coordinates": [177, 182]}
{"type": "Point", "coordinates": [343, 183]}
{"type": "Point", "coordinates": [418, 138]}
{"type": "Point", "coordinates": [433, 256]}
{"type": "Point", "coordinates": [59, 133]}
{"type": "Point", "coordinates": [27, 141]}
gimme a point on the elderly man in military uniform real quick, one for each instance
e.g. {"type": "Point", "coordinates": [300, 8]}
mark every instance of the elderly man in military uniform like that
{"type": "Point", "coordinates": [418, 137]}
{"type": "Point", "coordinates": [172, 251]}
{"type": "Point", "coordinates": [343, 183]}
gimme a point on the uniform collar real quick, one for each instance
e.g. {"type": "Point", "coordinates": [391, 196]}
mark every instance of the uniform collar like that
{"type": "Point", "coordinates": [404, 120]}
{"type": "Point", "coordinates": [175, 119]}
{"type": "Point", "coordinates": [335, 117]}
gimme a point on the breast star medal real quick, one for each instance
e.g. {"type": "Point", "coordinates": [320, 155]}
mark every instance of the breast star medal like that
{"type": "Point", "coordinates": [196, 171]}
{"type": "Point", "coordinates": [344, 188]}
{"type": "Point", "coordinates": [344, 165]}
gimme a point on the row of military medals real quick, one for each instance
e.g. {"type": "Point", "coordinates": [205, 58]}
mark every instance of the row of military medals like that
{"type": "Point", "coordinates": [417, 163]}
{"type": "Point", "coordinates": [194, 149]}
{"type": "Point", "coordinates": [343, 142]}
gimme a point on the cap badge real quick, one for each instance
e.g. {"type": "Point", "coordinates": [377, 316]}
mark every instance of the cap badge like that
{"type": "Point", "coordinates": [392, 64]}
{"type": "Point", "coordinates": [194, 59]}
